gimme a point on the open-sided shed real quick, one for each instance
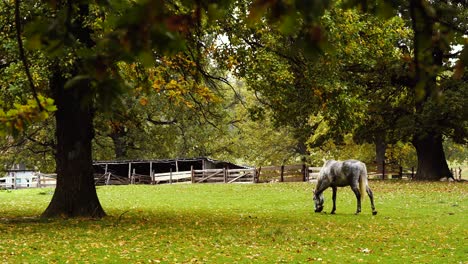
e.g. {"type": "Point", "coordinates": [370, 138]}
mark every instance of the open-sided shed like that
{"type": "Point", "coordinates": [125, 168]}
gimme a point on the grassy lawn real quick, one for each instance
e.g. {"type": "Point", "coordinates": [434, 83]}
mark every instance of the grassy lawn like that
{"type": "Point", "coordinates": [229, 223]}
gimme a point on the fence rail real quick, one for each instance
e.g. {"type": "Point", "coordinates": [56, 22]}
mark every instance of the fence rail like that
{"type": "Point", "coordinates": [110, 179]}
{"type": "Point", "coordinates": [389, 171]}
{"type": "Point", "coordinates": [224, 176]}
{"type": "Point", "coordinates": [171, 177]}
{"type": "Point", "coordinates": [285, 173]}
{"type": "Point", "coordinates": [37, 180]}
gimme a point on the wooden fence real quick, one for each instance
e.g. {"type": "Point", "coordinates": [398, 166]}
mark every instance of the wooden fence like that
{"type": "Point", "coordinates": [389, 171]}
{"type": "Point", "coordinates": [110, 179]}
{"type": "Point", "coordinates": [192, 176]}
{"type": "Point", "coordinates": [287, 173]}
{"type": "Point", "coordinates": [224, 176]}
{"type": "Point", "coordinates": [37, 180]}
{"type": "Point", "coordinates": [46, 180]}
{"type": "Point", "coordinates": [158, 178]}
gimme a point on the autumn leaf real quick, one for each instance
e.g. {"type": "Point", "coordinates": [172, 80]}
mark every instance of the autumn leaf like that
{"type": "Point", "coordinates": [143, 101]}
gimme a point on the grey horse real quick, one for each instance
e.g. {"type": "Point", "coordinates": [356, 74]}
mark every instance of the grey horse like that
{"type": "Point", "coordinates": [336, 174]}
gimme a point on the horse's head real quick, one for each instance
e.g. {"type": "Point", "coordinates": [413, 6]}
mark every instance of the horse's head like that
{"type": "Point", "coordinates": [318, 200]}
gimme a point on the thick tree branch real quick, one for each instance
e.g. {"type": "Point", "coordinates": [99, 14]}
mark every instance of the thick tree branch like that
{"type": "Point", "coordinates": [22, 54]}
{"type": "Point", "coordinates": [160, 123]}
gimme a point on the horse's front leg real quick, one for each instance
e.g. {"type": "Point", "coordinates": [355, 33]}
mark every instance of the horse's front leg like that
{"type": "Point", "coordinates": [358, 197]}
{"type": "Point", "coordinates": [334, 188]}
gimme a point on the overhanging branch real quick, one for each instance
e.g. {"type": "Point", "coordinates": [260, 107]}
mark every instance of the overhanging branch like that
{"type": "Point", "coordinates": [22, 54]}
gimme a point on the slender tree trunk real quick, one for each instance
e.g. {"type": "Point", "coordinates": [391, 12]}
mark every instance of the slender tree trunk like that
{"type": "Point", "coordinates": [432, 164]}
{"type": "Point", "coordinates": [120, 147]}
{"type": "Point", "coordinates": [380, 149]}
{"type": "Point", "coordinates": [75, 193]}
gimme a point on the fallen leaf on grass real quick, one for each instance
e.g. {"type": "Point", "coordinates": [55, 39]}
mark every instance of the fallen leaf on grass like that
{"type": "Point", "coordinates": [365, 250]}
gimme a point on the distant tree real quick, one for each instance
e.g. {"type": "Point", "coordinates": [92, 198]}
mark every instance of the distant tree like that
{"type": "Point", "coordinates": [319, 90]}
{"type": "Point", "coordinates": [437, 27]}
{"type": "Point", "coordinates": [394, 80]}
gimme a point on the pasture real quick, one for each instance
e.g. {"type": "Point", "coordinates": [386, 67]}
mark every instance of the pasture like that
{"type": "Point", "coordinates": [418, 222]}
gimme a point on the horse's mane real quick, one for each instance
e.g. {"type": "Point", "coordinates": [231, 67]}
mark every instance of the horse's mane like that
{"type": "Point", "coordinates": [325, 171]}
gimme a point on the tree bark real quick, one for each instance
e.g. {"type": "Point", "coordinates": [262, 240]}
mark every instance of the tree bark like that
{"type": "Point", "coordinates": [75, 194]}
{"type": "Point", "coordinates": [380, 149]}
{"type": "Point", "coordinates": [428, 60]}
{"type": "Point", "coordinates": [120, 144]}
{"type": "Point", "coordinates": [432, 164]}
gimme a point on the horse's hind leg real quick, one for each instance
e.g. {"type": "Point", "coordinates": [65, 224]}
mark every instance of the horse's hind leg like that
{"type": "Point", "coordinates": [334, 199]}
{"type": "Point", "coordinates": [358, 197]}
{"type": "Point", "coordinates": [371, 196]}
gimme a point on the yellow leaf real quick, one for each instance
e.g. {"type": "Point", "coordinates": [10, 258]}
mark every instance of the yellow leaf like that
{"type": "Point", "coordinates": [143, 101]}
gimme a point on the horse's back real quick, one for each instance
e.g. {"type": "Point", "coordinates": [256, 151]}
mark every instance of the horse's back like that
{"type": "Point", "coordinates": [355, 166]}
{"type": "Point", "coordinates": [354, 162]}
{"type": "Point", "coordinates": [344, 173]}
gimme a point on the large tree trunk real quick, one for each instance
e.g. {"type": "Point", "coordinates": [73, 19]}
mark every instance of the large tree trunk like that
{"type": "Point", "coordinates": [432, 164]}
{"type": "Point", "coordinates": [428, 61]}
{"type": "Point", "coordinates": [75, 194]}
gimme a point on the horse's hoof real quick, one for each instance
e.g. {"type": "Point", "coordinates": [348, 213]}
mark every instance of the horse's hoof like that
{"type": "Point", "coordinates": [332, 213]}
{"type": "Point", "coordinates": [374, 212]}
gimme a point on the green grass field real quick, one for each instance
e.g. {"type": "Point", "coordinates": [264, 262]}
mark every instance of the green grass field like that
{"type": "Point", "coordinates": [418, 222]}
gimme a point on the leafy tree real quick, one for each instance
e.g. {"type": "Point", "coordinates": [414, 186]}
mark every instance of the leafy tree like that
{"type": "Point", "coordinates": [252, 138]}
{"type": "Point", "coordinates": [320, 93]}
{"type": "Point", "coordinates": [24, 123]}
{"type": "Point", "coordinates": [81, 44]}
{"type": "Point", "coordinates": [268, 55]}
{"type": "Point", "coordinates": [165, 100]}
{"type": "Point", "coordinates": [436, 28]}
{"type": "Point", "coordinates": [80, 49]}
{"type": "Point", "coordinates": [409, 88]}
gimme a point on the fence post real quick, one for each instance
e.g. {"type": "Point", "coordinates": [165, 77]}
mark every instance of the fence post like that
{"type": "Point", "coordinates": [401, 172]}
{"type": "Point", "coordinates": [130, 171]}
{"type": "Point", "coordinates": [412, 172]}
{"type": "Point", "coordinates": [151, 172]}
{"type": "Point", "coordinates": [38, 180]}
{"type": "Point", "coordinates": [304, 172]}
{"type": "Point", "coordinates": [282, 173]}
{"type": "Point", "coordinates": [383, 170]}
{"type": "Point", "coordinates": [225, 175]}
{"type": "Point", "coordinates": [257, 174]}
{"type": "Point", "coordinates": [14, 180]}
{"type": "Point", "coordinates": [108, 178]}
{"type": "Point", "coordinates": [170, 176]}
{"type": "Point", "coordinates": [192, 174]}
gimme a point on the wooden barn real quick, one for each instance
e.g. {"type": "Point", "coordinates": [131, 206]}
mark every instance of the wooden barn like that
{"type": "Point", "coordinates": [151, 171]}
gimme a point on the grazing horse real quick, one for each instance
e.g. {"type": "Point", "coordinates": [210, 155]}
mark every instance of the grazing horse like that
{"type": "Point", "coordinates": [336, 174]}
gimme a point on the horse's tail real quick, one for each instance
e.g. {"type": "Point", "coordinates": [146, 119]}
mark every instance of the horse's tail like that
{"type": "Point", "coordinates": [363, 181]}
